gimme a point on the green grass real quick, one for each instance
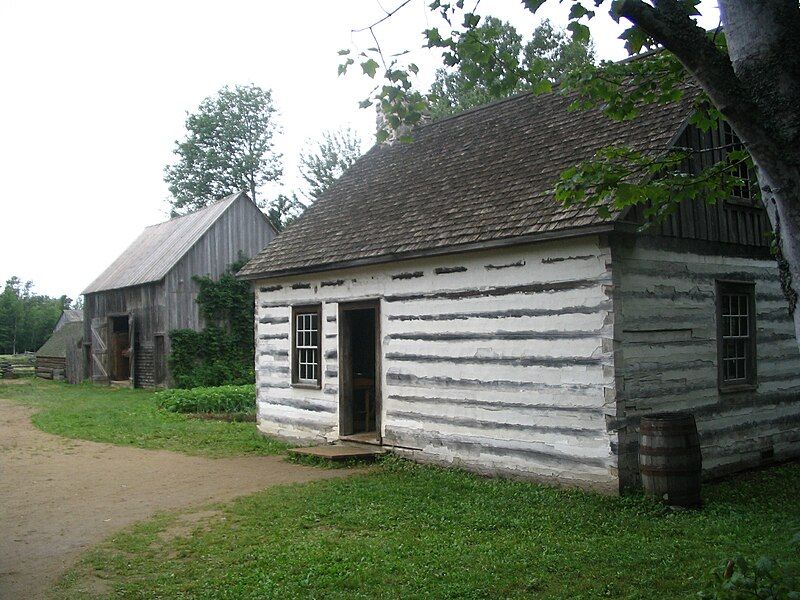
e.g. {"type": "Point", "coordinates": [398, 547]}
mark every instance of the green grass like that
{"type": "Point", "coordinates": [131, 418]}
{"type": "Point", "coordinates": [406, 531]}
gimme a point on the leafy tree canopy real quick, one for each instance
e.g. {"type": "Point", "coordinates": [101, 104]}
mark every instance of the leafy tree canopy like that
{"type": "Point", "coordinates": [284, 209]}
{"type": "Point", "coordinates": [550, 54]}
{"type": "Point", "coordinates": [324, 161]}
{"type": "Point", "coordinates": [321, 163]}
{"type": "Point", "coordinates": [228, 148]}
{"type": "Point", "coordinates": [27, 319]}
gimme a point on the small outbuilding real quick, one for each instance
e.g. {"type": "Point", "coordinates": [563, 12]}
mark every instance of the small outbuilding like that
{"type": "Point", "coordinates": [438, 301]}
{"type": "Point", "coordinates": [52, 357]}
{"type": "Point", "coordinates": [149, 290]}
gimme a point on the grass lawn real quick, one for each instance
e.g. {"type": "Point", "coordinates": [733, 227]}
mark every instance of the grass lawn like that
{"type": "Point", "coordinates": [131, 418]}
{"type": "Point", "coordinates": [407, 531]}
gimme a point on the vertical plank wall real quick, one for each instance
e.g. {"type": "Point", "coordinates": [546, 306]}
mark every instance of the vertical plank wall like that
{"type": "Point", "coordinates": [499, 361]}
{"type": "Point", "coordinates": [145, 303]}
{"type": "Point", "coordinates": [240, 229]}
{"type": "Point", "coordinates": [667, 355]}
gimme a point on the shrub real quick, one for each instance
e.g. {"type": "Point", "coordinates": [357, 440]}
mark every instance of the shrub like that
{"type": "Point", "coordinates": [222, 399]}
{"type": "Point", "coordinates": [767, 578]}
{"type": "Point", "coordinates": [209, 358]}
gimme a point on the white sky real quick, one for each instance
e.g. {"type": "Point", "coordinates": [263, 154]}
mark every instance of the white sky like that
{"type": "Point", "coordinates": [95, 93]}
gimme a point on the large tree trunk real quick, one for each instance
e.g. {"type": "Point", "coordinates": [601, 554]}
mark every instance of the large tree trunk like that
{"type": "Point", "coordinates": [757, 88]}
{"type": "Point", "coordinates": [764, 48]}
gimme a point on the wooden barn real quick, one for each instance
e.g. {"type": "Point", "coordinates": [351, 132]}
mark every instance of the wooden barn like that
{"type": "Point", "coordinates": [451, 310]}
{"type": "Point", "coordinates": [53, 357]}
{"type": "Point", "coordinates": [148, 291]}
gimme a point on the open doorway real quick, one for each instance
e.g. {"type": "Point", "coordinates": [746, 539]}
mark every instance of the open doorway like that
{"type": "Point", "coordinates": [120, 349]}
{"type": "Point", "coordinates": [359, 366]}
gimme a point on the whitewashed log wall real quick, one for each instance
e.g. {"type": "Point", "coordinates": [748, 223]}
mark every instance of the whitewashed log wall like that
{"type": "Point", "coordinates": [667, 356]}
{"type": "Point", "coordinates": [499, 361]}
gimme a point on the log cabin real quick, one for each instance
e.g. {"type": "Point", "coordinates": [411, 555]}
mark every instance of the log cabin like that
{"type": "Point", "coordinates": [439, 302]}
{"type": "Point", "coordinates": [149, 291]}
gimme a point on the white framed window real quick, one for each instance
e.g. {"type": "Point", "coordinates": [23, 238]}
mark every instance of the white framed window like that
{"type": "Point", "coordinates": [736, 334]}
{"type": "Point", "coordinates": [306, 348]}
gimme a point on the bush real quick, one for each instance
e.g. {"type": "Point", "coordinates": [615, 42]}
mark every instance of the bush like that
{"type": "Point", "coordinates": [209, 358]}
{"type": "Point", "coordinates": [738, 579]}
{"type": "Point", "coordinates": [222, 399]}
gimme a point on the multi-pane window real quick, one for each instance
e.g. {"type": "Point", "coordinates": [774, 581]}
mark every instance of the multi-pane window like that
{"type": "Point", "coordinates": [731, 143]}
{"type": "Point", "coordinates": [736, 334]}
{"type": "Point", "coordinates": [306, 345]}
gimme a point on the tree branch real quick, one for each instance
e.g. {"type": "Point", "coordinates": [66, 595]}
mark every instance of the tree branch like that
{"type": "Point", "coordinates": [379, 21]}
{"type": "Point", "coordinates": [668, 23]}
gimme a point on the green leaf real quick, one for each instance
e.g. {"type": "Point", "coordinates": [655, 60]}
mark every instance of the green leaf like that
{"type": "Point", "coordinates": [471, 20]}
{"type": "Point", "coordinates": [578, 10]}
{"type": "Point", "coordinates": [533, 5]}
{"type": "Point", "coordinates": [580, 32]}
{"type": "Point", "coordinates": [370, 67]}
{"type": "Point", "coordinates": [344, 52]}
{"type": "Point", "coordinates": [382, 135]}
{"type": "Point", "coordinates": [542, 87]}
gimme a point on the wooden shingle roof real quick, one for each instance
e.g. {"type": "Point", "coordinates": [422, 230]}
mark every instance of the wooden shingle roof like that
{"type": "Point", "coordinates": [481, 177]}
{"type": "Point", "coordinates": [159, 247]}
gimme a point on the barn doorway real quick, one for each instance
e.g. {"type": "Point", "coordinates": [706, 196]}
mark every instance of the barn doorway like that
{"type": "Point", "coordinates": [120, 348]}
{"type": "Point", "coordinates": [359, 368]}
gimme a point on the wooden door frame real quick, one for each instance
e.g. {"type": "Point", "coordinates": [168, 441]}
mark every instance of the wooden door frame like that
{"type": "Point", "coordinates": [110, 336]}
{"type": "Point", "coordinates": [344, 307]}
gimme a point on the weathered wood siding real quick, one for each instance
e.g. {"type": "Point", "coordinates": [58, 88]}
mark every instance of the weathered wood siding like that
{"type": "Point", "coordinates": [74, 363]}
{"type": "Point", "coordinates": [242, 229]}
{"type": "Point", "coordinates": [497, 361]}
{"type": "Point", "coordinates": [146, 304]}
{"type": "Point", "coordinates": [739, 221]}
{"type": "Point", "coordinates": [160, 307]}
{"type": "Point", "coordinates": [51, 367]}
{"type": "Point", "coordinates": [667, 354]}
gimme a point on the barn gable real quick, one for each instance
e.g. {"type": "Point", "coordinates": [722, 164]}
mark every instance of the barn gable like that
{"type": "Point", "coordinates": [149, 290]}
{"type": "Point", "coordinates": [160, 247]}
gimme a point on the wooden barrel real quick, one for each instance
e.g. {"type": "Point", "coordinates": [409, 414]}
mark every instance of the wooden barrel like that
{"type": "Point", "coordinates": [669, 458]}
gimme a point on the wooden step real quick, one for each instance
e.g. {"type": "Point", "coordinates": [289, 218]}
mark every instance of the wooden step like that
{"type": "Point", "coordinates": [340, 452]}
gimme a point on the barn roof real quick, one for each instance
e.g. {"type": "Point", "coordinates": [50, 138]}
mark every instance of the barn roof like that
{"type": "Point", "coordinates": [159, 247]}
{"type": "Point", "coordinates": [477, 179]}
{"type": "Point", "coordinates": [56, 346]}
{"type": "Point", "coordinates": [72, 315]}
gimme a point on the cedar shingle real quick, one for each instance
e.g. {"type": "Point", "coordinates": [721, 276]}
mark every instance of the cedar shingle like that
{"type": "Point", "coordinates": [484, 175]}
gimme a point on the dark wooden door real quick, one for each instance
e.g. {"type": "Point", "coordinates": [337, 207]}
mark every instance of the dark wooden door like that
{"type": "Point", "coordinates": [359, 368]}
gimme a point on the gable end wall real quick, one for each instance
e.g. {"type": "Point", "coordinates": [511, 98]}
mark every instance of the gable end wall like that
{"type": "Point", "coordinates": [666, 341]}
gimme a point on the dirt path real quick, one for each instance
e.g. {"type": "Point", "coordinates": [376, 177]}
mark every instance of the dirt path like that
{"type": "Point", "coordinates": [60, 496]}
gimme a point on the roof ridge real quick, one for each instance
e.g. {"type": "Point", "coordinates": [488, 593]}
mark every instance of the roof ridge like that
{"type": "Point", "coordinates": [161, 259]}
{"type": "Point", "coordinates": [199, 210]}
{"type": "Point", "coordinates": [480, 107]}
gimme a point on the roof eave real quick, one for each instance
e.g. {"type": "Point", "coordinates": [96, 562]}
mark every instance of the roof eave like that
{"type": "Point", "coordinates": [459, 249]}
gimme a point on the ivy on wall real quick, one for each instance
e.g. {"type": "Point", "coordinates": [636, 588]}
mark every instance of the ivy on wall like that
{"type": "Point", "coordinates": [223, 352]}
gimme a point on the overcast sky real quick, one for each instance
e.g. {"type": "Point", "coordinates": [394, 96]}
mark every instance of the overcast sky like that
{"type": "Point", "coordinates": [95, 93]}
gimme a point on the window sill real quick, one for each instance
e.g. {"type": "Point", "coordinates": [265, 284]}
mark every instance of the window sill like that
{"type": "Point", "coordinates": [739, 387]}
{"type": "Point", "coordinates": [307, 386]}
